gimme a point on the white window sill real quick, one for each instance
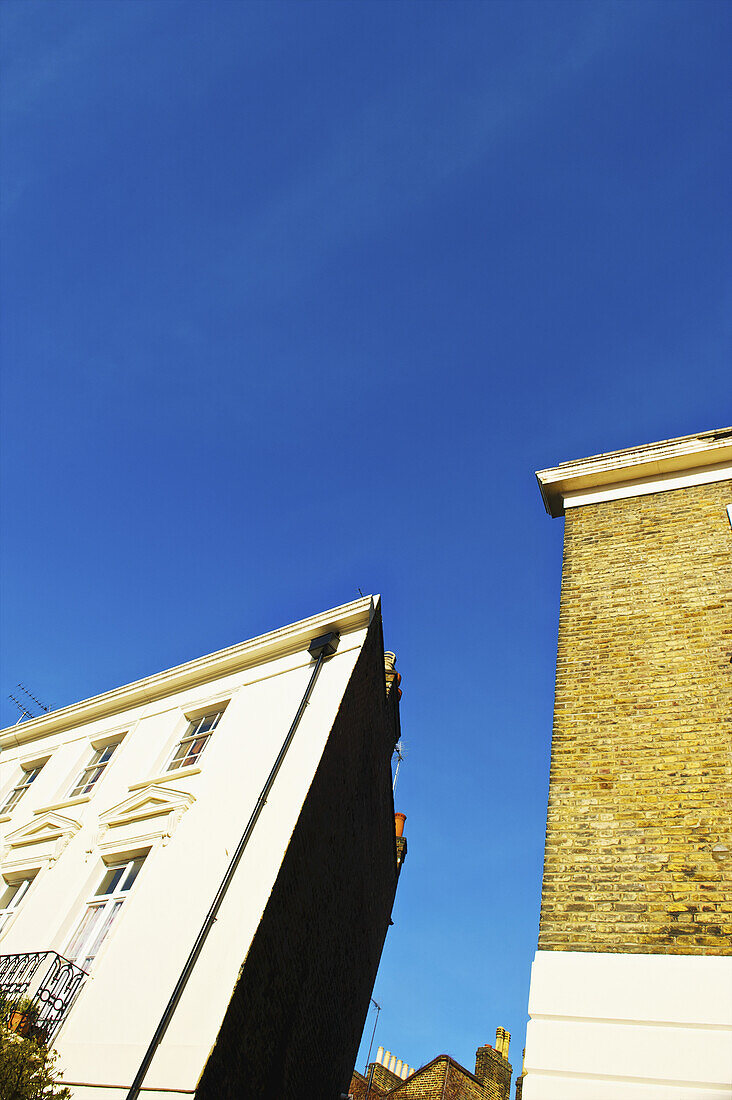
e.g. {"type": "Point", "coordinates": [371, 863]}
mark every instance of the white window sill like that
{"type": "Point", "coordinates": [165, 777]}
{"type": "Point", "coordinates": [81, 798]}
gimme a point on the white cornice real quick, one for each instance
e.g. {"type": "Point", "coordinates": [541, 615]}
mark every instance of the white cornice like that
{"type": "Point", "coordinates": [636, 471]}
{"type": "Point", "coordinates": [266, 647]}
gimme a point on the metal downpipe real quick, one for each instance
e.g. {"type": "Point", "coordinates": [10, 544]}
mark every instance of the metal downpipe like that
{"type": "Point", "coordinates": [323, 646]}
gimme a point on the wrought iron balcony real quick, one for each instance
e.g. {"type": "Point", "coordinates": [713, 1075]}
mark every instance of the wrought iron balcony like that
{"type": "Point", "coordinates": [37, 990]}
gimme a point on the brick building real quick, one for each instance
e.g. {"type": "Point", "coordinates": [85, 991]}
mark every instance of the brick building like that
{"type": "Point", "coordinates": [631, 988]}
{"type": "Point", "coordinates": [210, 851]}
{"type": "Point", "coordinates": [441, 1079]}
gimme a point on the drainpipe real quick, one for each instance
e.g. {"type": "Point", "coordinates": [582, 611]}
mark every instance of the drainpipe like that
{"type": "Point", "coordinates": [319, 649]}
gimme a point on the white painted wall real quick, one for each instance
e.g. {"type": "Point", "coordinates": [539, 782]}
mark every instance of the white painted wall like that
{"type": "Point", "coordinates": [629, 1027]}
{"type": "Point", "coordinates": [105, 1036]}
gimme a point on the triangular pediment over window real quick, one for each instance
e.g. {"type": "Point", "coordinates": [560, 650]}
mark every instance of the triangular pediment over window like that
{"type": "Point", "coordinates": [40, 841]}
{"type": "Point", "coordinates": [149, 802]}
{"type": "Point", "coordinates": [146, 816]}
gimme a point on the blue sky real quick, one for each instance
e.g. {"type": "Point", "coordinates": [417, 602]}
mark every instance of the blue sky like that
{"type": "Point", "coordinates": [297, 296]}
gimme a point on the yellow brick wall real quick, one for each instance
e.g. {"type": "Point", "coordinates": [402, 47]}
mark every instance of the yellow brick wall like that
{"type": "Point", "coordinates": [440, 1080]}
{"type": "Point", "coordinates": [384, 1079]}
{"type": "Point", "coordinates": [640, 788]}
{"type": "Point", "coordinates": [494, 1071]}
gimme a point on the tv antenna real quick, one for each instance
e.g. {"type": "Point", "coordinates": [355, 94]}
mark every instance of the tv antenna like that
{"type": "Point", "coordinates": [400, 753]}
{"type": "Point", "coordinates": [31, 696]}
{"type": "Point", "coordinates": [24, 713]}
{"type": "Point", "coordinates": [371, 1045]}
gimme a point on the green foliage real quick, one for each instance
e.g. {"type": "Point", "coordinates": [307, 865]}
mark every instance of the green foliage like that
{"type": "Point", "coordinates": [27, 1067]}
{"type": "Point", "coordinates": [22, 1010]}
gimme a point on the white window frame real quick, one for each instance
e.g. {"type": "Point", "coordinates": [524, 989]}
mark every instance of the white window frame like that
{"type": "Point", "coordinates": [24, 884]}
{"type": "Point", "coordinates": [29, 774]}
{"type": "Point", "coordinates": [182, 755]}
{"type": "Point", "coordinates": [100, 913]}
{"type": "Point", "coordinates": [89, 776]}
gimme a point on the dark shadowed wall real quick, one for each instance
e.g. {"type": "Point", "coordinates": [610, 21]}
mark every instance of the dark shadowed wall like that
{"type": "Point", "coordinates": [292, 1028]}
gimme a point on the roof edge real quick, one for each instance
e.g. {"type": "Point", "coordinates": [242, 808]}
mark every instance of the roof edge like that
{"type": "Point", "coordinates": [438, 1058]}
{"type": "Point", "coordinates": [265, 647]}
{"type": "Point", "coordinates": [706, 456]}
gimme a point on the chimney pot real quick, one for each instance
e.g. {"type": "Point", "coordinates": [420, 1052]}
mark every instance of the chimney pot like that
{"type": "Point", "coordinates": [392, 677]}
{"type": "Point", "coordinates": [503, 1039]}
{"type": "Point", "coordinates": [380, 1055]}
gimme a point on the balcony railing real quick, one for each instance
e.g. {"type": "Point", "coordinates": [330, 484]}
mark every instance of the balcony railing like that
{"type": "Point", "coordinates": [37, 990]}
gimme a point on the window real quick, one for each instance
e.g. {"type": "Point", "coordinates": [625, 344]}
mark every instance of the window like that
{"type": "Point", "coordinates": [195, 741]}
{"type": "Point", "coordinates": [27, 777]}
{"type": "Point", "coordinates": [93, 771]}
{"type": "Point", "coordinates": [102, 910]}
{"type": "Point", "coordinates": [12, 896]}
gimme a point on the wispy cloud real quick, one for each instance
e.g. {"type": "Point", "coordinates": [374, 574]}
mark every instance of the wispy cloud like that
{"type": "Point", "coordinates": [43, 52]}
{"type": "Point", "coordinates": [400, 152]}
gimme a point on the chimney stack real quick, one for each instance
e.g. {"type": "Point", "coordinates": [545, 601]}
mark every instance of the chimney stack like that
{"type": "Point", "coordinates": [492, 1067]}
{"type": "Point", "coordinates": [520, 1079]}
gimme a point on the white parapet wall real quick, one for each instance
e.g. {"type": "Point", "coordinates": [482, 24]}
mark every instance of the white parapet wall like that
{"type": "Point", "coordinates": [607, 1026]}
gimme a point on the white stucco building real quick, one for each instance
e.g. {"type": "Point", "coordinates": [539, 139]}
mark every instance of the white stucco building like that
{"type": "Point", "coordinates": [255, 780]}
